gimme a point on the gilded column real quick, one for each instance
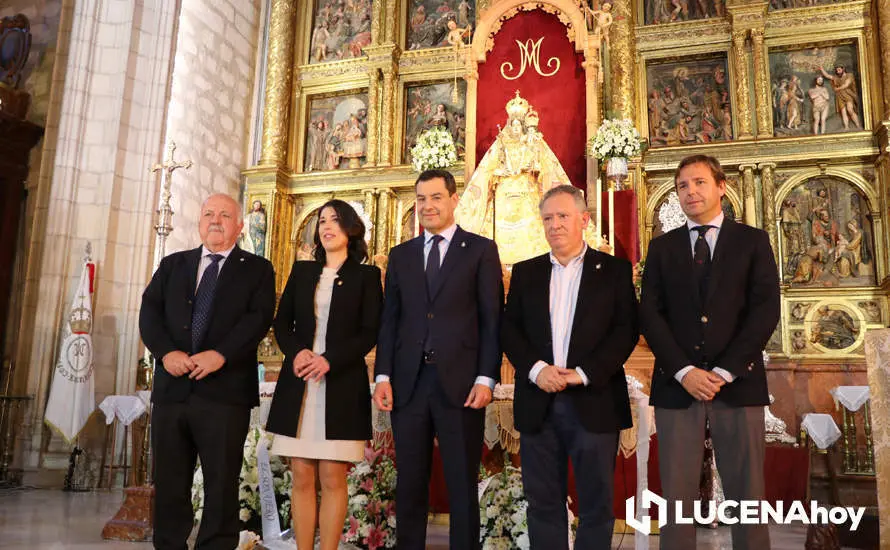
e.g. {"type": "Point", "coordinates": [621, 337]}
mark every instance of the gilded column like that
{"type": "Point", "coordinates": [377, 17]}
{"type": "Point", "coordinates": [743, 97]}
{"type": "Point", "coordinates": [748, 201]}
{"type": "Point", "coordinates": [621, 58]}
{"type": "Point", "coordinates": [386, 125]}
{"type": "Point", "coordinates": [472, 78]}
{"type": "Point", "coordinates": [883, 7]}
{"type": "Point", "coordinates": [370, 204]}
{"type": "Point", "coordinates": [280, 253]}
{"type": "Point", "coordinates": [593, 79]}
{"type": "Point", "coordinates": [384, 216]}
{"type": "Point", "coordinates": [373, 118]}
{"type": "Point", "coordinates": [762, 97]}
{"type": "Point", "coordinates": [391, 21]}
{"type": "Point", "coordinates": [768, 186]}
{"type": "Point", "coordinates": [279, 74]}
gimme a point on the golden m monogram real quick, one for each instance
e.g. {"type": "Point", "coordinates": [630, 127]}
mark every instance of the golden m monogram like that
{"type": "Point", "coordinates": [529, 56]}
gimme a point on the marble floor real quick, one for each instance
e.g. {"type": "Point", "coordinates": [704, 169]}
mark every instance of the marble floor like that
{"type": "Point", "coordinates": [53, 520]}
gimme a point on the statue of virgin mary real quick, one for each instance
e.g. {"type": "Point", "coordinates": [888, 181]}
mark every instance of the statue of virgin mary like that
{"type": "Point", "coordinates": [501, 199]}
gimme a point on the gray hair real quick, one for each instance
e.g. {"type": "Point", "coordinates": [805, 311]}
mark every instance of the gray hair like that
{"type": "Point", "coordinates": [238, 212]}
{"type": "Point", "coordinates": [565, 189]}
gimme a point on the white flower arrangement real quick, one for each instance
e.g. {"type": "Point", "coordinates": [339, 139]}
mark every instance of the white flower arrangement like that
{"type": "Point", "coordinates": [434, 149]}
{"type": "Point", "coordinates": [503, 513]}
{"type": "Point", "coordinates": [615, 139]}
{"type": "Point", "coordinates": [248, 484]}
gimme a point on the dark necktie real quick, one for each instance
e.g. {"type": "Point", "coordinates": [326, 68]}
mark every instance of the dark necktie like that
{"type": "Point", "coordinates": [702, 260]}
{"type": "Point", "coordinates": [433, 260]}
{"type": "Point", "coordinates": [204, 301]}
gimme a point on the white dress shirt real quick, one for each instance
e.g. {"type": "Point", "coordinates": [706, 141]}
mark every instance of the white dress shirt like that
{"type": "Point", "coordinates": [447, 236]}
{"type": "Point", "coordinates": [711, 236]}
{"type": "Point", "coordinates": [205, 262]}
{"type": "Point", "coordinates": [564, 283]}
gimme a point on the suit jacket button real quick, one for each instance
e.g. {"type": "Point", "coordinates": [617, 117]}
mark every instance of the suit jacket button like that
{"type": "Point", "coordinates": [186, 327]}
{"type": "Point", "coordinates": [189, 301]}
{"type": "Point", "coordinates": [429, 315]}
{"type": "Point", "coordinates": [704, 319]}
{"type": "Point", "coordinates": [696, 348]}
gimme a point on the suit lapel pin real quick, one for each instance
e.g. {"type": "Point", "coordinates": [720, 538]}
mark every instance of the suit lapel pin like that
{"type": "Point", "coordinates": [339, 282]}
{"type": "Point", "coordinates": [241, 259]}
{"type": "Point", "coordinates": [463, 244]}
{"type": "Point", "coordinates": [599, 266]}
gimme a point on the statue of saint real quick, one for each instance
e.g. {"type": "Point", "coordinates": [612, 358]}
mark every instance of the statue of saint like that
{"type": "Point", "coordinates": [501, 199]}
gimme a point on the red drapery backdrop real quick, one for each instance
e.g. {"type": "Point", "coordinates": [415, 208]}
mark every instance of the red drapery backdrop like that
{"type": "Point", "coordinates": [560, 100]}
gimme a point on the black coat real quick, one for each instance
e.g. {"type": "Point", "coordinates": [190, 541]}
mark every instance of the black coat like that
{"type": "Point", "coordinates": [729, 330]}
{"type": "Point", "coordinates": [604, 333]}
{"type": "Point", "coordinates": [243, 305]}
{"type": "Point", "coordinates": [353, 322]}
{"type": "Point", "coordinates": [461, 315]}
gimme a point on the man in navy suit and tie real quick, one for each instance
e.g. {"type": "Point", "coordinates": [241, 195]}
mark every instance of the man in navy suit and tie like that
{"type": "Point", "coordinates": [438, 358]}
{"type": "Point", "coordinates": [203, 315]}
{"type": "Point", "coordinates": [709, 304]}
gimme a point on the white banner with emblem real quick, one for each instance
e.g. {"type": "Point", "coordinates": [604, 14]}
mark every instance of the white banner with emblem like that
{"type": "Point", "coordinates": [72, 396]}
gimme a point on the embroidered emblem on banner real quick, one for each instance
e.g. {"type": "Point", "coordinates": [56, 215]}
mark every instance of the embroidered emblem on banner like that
{"type": "Point", "coordinates": [530, 56]}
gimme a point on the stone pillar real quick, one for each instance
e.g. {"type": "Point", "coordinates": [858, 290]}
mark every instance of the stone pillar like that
{"type": "Point", "coordinates": [768, 187]}
{"type": "Point", "coordinates": [279, 75]}
{"type": "Point", "coordinates": [742, 96]}
{"type": "Point", "coordinates": [621, 60]}
{"type": "Point", "coordinates": [748, 201]}
{"type": "Point", "coordinates": [388, 114]}
{"type": "Point", "coordinates": [763, 97]}
{"type": "Point", "coordinates": [373, 116]}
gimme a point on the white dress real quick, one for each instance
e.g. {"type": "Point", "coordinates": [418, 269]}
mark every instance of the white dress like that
{"type": "Point", "coordinates": [310, 441]}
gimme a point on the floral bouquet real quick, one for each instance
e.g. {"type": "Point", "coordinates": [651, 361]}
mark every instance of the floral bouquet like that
{"type": "Point", "coordinates": [502, 511]}
{"type": "Point", "coordinates": [615, 139]}
{"type": "Point", "coordinates": [371, 511]}
{"type": "Point", "coordinates": [434, 149]}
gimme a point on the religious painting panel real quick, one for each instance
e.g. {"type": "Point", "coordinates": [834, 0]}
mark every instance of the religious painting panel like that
{"type": "Point", "coordinates": [829, 327]}
{"type": "Point", "coordinates": [409, 226]}
{"type": "Point", "coordinates": [336, 132]}
{"type": "Point", "coordinates": [827, 235]}
{"type": "Point", "coordinates": [816, 90]}
{"type": "Point", "coordinates": [340, 29]}
{"type": "Point", "coordinates": [669, 215]}
{"type": "Point", "coordinates": [428, 21]}
{"type": "Point", "coordinates": [689, 102]}
{"type": "Point", "coordinates": [430, 105]}
{"type": "Point", "coordinates": [253, 235]}
{"type": "Point", "coordinates": [672, 11]}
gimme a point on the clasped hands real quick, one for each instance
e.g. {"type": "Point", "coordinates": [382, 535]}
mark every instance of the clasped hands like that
{"type": "Point", "coordinates": [553, 379]}
{"type": "Point", "coordinates": [309, 365]}
{"type": "Point", "coordinates": [479, 397]}
{"type": "Point", "coordinates": [198, 366]}
{"type": "Point", "coordinates": [701, 384]}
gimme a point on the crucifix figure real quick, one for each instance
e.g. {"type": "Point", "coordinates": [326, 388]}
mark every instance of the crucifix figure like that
{"type": "Point", "coordinates": [165, 211]}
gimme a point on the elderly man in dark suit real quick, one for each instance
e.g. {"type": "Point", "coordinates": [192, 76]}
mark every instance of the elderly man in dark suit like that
{"type": "Point", "coordinates": [709, 304]}
{"type": "Point", "coordinates": [203, 315]}
{"type": "Point", "coordinates": [569, 325]}
{"type": "Point", "coordinates": [438, 358]}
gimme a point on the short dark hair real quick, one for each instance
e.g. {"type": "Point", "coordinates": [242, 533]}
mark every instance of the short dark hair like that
{"type": "Point", "coordinates": [351, 224]}
{"type": "Point", "coordinates": [428, 175]}
{"type": "Point", "coordinates": [707, 160]}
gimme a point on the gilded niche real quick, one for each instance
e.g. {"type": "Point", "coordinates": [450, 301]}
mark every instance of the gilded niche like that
{"type": "Point", "coordinates": [827, 235]}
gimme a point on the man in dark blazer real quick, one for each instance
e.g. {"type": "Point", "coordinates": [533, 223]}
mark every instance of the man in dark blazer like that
{"type": "Point", "coordinates": [710, 302]}
{"type": "Point", "coordinates": [203, 315]}
{"type": "Point", "coordinates": [438, 358]}
{"type": "Point", "coordinates": [569, 325]}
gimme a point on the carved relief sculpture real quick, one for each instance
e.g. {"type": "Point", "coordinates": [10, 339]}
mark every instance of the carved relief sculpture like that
{"type": "Point", "coordinates": [815, 91]}
{"type": "Point", "coordinates": [688, 102]}
{"type": "Point", "coordinates": [432, 105]}
{"type": "Point", "coordinates": [341, 28]}
{"type": "Point", "coordinates": [670, 11]}
{"type": "Point", "coordinates": [337, 133]}
{"type": "Point", "coordinates": [428, 21]}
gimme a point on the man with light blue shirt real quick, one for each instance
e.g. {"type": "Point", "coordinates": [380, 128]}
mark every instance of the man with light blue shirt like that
{"type": "Point", "coordinates": [438, 358]}
{"type": "Point", "coordinates": [569, 325]}
{"type": "Point", "coordinates": [709, 303]}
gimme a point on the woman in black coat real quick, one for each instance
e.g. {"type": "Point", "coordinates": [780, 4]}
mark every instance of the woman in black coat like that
{"type": "Point", "coordinates": [321, 412]}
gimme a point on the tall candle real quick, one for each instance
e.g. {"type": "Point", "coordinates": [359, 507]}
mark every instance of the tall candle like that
{"type": "Point", "coordinates": [612, 218]}
{"type": "Point", "coordinates": [599, 212]}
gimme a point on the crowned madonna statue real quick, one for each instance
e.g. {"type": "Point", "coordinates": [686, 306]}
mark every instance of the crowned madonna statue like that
{"type": "Point", "coordinates": [501, 199]}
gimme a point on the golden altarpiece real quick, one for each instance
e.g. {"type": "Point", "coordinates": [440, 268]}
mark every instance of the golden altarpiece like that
{"type": "Point", "coordinates": [790, 95]}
